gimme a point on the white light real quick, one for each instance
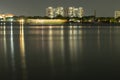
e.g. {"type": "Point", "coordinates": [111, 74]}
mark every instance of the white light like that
{"type": "Point", "coordinates": [11, 19]}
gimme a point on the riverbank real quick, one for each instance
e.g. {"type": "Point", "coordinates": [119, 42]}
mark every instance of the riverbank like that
{"type": "Point", "coordinates": [58, 23]}
{"type": "Point", "coordinates": [92, 24]}
{"type": "Point", "coordinates": [46, 21]}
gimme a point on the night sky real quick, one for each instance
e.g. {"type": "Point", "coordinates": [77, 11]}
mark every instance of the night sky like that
{"type": "Point", "coordinates": [37, 7]}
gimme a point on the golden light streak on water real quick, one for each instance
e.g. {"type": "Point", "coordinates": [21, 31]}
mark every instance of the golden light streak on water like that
{"type": "Point", "coordinates": [22, 52]}
{"type": "Point", "coordinates": [62, 45]}
{"type": "Point", "coordinates": [51, 53]}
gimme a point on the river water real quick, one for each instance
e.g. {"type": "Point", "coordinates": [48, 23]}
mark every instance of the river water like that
{"type": "Point", "coordinates": [59, 52]}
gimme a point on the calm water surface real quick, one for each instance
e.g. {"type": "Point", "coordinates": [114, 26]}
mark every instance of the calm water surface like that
{"type": "Point", "coordinates": [59, 52]}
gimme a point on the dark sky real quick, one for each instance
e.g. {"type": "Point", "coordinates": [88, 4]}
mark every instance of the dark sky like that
{"type": "Point", "coordinates": [37, 7]}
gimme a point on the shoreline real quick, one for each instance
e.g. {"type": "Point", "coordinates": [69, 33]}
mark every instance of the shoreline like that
{"type": "Point", "coordinates": [95, 24]}
{"type": "Point", "coordinates": [60, 24]}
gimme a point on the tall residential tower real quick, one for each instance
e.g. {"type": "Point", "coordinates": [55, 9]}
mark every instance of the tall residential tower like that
{"type": "Point", "coordinates": [50, 12]}
{"type": "Point", "coordinates": [69, 12]}
{"type": "Point", "coordinates": [117, 14]}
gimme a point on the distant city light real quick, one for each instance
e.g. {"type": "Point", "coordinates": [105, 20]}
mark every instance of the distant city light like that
{"type": "Point", "coordinates": [21, 21]}
{"type": "Point", "coordinates": [69, 12]}
{"type": "Point", "coordinates": [11, 20]}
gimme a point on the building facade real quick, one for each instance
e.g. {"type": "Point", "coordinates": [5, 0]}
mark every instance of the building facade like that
{"type": "Point", "coordinates": [53, 12]}
{"type": "Point", "coordinates": [80, 12]}
{"type": "Point", "coordinates": [72, 12]}
{"type": "Point", "coordinates": [117, 14]}
{"type": "Point", "coordinates": [59, 11]}
{"type": "Point", "coordinates": [69, 12]}
{"type": "Point", "coordinates": [75, 12]}
{"type": "Point", "coordinates": [50, 12]}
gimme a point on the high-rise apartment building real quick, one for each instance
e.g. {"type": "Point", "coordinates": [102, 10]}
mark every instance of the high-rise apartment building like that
{"type": "Point", "coordinates": [80, 12]}
{"type": "Point", "coordinates": [69, 12]}
{"type": "Point", "coordinates": [53, 12]}
{"type": "Point", "coordinates": [72, 12]}
{"type": "Point", "coordinates": [50, 12]}
{"type": "Point", "coordinates": [75, 12]}
{"type": "Point", "coordinates": [59, 11]}
{"type": "Point", "coordinates": [117, 14]}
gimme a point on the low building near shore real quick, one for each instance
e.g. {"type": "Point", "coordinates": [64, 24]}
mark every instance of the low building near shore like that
{"type": "Point", "coordinates": [45, 21]}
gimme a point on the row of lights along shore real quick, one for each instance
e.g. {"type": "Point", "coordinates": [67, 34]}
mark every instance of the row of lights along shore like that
{"type": "Point", "coordinates": [9, 18]}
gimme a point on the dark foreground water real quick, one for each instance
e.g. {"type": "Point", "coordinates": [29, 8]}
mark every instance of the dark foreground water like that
{"type": "Point", "coordinates": [59, 52]}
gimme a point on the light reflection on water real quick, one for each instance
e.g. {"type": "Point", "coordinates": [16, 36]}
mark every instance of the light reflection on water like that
{"type": "Point", "coordinates": [57, 51]}
{"type": "Point", "coordinates": [12, 52]}
{"type": "Point", "coordinates": [22, 51]}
